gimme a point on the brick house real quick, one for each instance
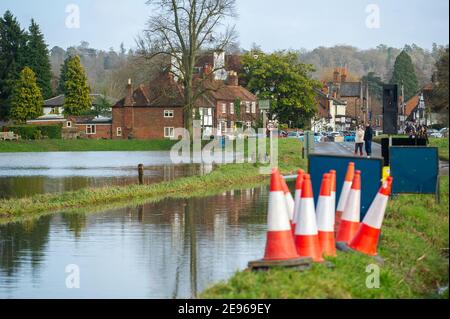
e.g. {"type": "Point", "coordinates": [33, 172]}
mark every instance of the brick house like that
{"type": "Point", "coordinates": [356, 98]}
{"type": "Point", "coordinates": [151, 111]}
{"type": "Point", "coordinates": [89, 127]}
{"type": "Point", "coordinates": [154, 110]}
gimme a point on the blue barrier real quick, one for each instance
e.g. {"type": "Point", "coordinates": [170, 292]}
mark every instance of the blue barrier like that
{"type": "Point", "coordinates": [371, 175]}
{"type": "Point", "coordinates": [415, 169]}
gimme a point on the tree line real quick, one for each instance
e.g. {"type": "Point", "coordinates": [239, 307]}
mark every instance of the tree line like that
{"type": "Point", "coordinates": [24, 57]}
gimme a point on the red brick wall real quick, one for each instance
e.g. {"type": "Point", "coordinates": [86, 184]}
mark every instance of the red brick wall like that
{"type": "Point", "coordinates": [103, 131]}
{"type": "Point", "coordinates": [149, 122]}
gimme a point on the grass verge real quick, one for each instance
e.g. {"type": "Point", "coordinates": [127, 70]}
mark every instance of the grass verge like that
{"type": "Point", "coordinates": [84, 145]}
{"type": "Point", "coordinates": [414, 246]}
{"type": "Point", "coordinates": [226, 177]}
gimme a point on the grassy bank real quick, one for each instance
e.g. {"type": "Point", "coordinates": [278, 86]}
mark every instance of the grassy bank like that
{"type": "Point", "coordinates": [84, 145]}
{"type": "Point", "coordinates": [226, 177]}
{"type": "Point", "coordinates": [414, 246]}
{"type": "Point", "coordinates": [440, 143]}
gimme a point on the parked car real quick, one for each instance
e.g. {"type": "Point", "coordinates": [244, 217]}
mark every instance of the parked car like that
{"type": "Point", "coordinates": [350, 137]}
{"type": "Point", "coordinates": [317, 138]}
{"type": "Point", "coordinates": [294, 135]}
{"type": "Point", "coordinates": [282, 134]}
{"type": "Point", "coordinates": [433, 133]}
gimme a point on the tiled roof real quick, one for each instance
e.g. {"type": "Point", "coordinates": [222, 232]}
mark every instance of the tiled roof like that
{"type": "Point", "coordinates": [411, 104]}
{"type": "Point", "coordinates": [166, 92]}
{"type": "Point", "coordinates": [219, 91]}
{"type": "Point", "coordinates": [58, 101]}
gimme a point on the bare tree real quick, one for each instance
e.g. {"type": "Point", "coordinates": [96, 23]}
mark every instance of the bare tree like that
{"type": "Point", "coordinates": [180, 30]}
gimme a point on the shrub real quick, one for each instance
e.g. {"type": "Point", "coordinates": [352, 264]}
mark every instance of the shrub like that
{"type": "Point", "coordinates": [35, 132]}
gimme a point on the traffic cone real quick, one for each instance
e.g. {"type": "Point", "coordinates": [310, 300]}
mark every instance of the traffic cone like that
{"type": "Point", "coordinates": [289, 200]}
{"type": "Point", "coordinates": [333, 191]}
{"type": "Point", "coordinates": [351, 218]}
{"type": "Point", "coordinates": [306, 233]}
{"type": "Point", "coordinates": [366, 240]}
{"type": "Point", "coordinates": [325, 217]}
{"type": "Point", "coordinates": [344, 193]}
{"type": "Point", "coordinates": [280, 243]}
{"type": "Point", "coordinates": [298, 198]}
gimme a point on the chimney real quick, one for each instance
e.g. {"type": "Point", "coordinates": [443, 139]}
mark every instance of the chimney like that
{"type": "Point", "coordinates": [336, 75]}
{"type": "Point", "coordinates": [233, 79]}
{"type": "Point", "coordinates": [344, 75]}
{"type": "Point", "coordinates": [207, 70]}
{"type": "Point", "coordinates": [129, 96]}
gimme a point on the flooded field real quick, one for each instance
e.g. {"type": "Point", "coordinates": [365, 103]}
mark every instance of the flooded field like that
{"type": "Point", "coordinates": [170, 249]}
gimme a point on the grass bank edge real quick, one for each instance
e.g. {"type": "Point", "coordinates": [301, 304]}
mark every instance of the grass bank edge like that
{"type": "Point", "coordinates": [84, 145]}
{"type": "Point", "coordinates": [414, 245]}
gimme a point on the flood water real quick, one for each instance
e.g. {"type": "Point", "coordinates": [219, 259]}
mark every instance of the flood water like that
{"type": "Point", "coordinates": [25, 174]}
{"type": "Point", "coordinates": [170, 249]}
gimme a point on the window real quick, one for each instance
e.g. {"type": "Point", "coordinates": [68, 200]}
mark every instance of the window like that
{"type": "Point", "coordinates": [69, 124]}
{"type": "Point", "coordinates": [168, 114]}
{"type": "Point", "coordinates": [253, 107]}
{"type": "Point", "coordinates": [119, 131]}
{"type": "Point", "coordinates": [249, 124]}
{"type": "Point", "coordinates": [224, 108]}
{"type": "Point", "coordinates": [231, 108]}
{"type": "Point", "coordinates": [247, 107]}
{"type": "Point", "coordinates": [169, 132]}
{"type": "Point", "coordinates": [90, 129]}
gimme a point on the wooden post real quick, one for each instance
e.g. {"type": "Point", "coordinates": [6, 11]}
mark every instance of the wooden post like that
{"type": "Point", "coordinates": [141, 174]}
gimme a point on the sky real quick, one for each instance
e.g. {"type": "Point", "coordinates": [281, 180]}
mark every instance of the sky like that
{"type": "Point", "coordinates": [273, 25]}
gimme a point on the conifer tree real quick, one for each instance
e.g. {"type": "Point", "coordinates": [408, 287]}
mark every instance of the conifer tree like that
{"type": "Point", "coordinates": [26, 99]}
{"type": "Point", "coordinates": [77, 99]}
{"type": "Point", "coordinates": [404, 74]}
{"type": "Point", "coordinates": [37, 58]}
{"type": "Point", "coordinates": [12, 43]}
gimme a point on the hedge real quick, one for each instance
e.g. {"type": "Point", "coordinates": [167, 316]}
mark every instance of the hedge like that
{"type": "Point", "coordinates": [36, 132]}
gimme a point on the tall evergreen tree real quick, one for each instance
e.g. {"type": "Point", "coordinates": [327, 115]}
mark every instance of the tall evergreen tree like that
{"type": "Point", "coordinates": [440, 85]}
{"type": "Point", "coordinates": [12, 44]}
{"type": "Point", "coordinates": [37, 58]}
{"type": "Point", "coordinates": [62, 77]}
{"type": "Point", "coordinates": [77, 99]}
{"type": "Point", "coordinates": [405, 74]}
{"type": "Point", "coordinates": [26, 99]}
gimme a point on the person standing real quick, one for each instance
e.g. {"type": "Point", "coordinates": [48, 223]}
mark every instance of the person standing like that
{"type": "Point", "coordinates": [359, 140]}
{"type": "Point", "coordinates": [368, 137]}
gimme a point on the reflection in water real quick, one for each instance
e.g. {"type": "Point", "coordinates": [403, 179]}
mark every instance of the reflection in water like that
{"type": "Point", "coordinates": [170, 249]}
{"type": "Point", "coordinates": [39, 181]}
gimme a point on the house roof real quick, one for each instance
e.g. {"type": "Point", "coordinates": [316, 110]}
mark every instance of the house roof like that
{"type": "Point", "coordinates": [411, 104]}
{"type": "Point", "coordinates": [90, 119]}
{"type": "Point", "coordinates": [58, 101]}
{"type": "Point", "coordinates": [220, 91]}
{"type": "Point", "coordinates": [164, 91]}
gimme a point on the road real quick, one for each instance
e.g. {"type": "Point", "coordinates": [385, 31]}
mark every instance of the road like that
{"type": "Point", "coordinates": [331, 148]}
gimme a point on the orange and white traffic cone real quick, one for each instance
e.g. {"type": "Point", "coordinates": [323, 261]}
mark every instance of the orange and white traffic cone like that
{"type": "Point", "coordinates": [297, 198]}
{"type": "Point", "coordinates": [289, 200]}
{"type": "Point", "coordinates": [351, 218]}
{"type": "Point", "coordinates": [325, 218]}
{"type": "Point", "coordinates": [366, 240]}
{"type": "Point", "coordinates": [306, 233]}
{"type": "Point", "coordinates": [280, 243]}
{"type": "Point", "coordinates": [344, 193]}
